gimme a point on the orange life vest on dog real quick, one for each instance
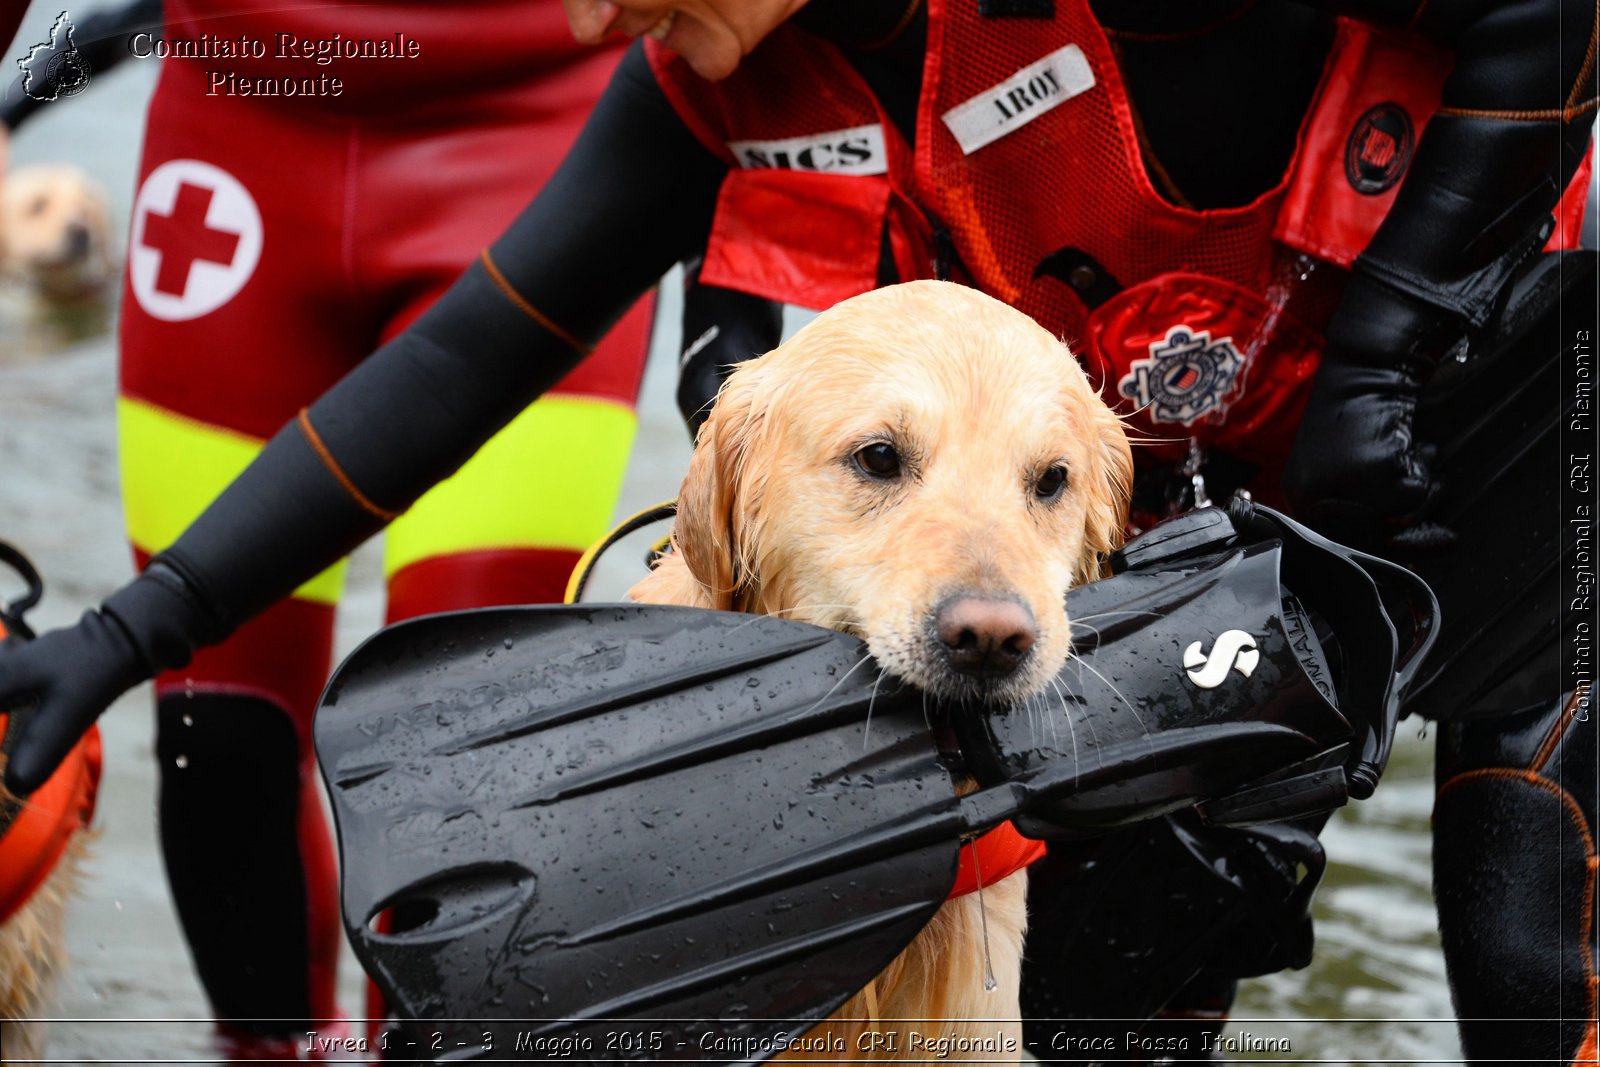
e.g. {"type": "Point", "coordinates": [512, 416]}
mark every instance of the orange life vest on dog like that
{"type": "Point", "coordinates": [35, 832]}
{"type": "Point", "coordinates": [998, 854]}
{"type": "Point", "coordinates": [1028, 159]}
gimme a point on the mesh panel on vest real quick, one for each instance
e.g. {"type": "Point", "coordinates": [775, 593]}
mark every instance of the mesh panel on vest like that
{"type": "Point", "coordinates": [1070, 178]}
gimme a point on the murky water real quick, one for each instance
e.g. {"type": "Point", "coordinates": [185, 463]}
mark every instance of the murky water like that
{"type": "Point", "coordinates": [1375, 993]}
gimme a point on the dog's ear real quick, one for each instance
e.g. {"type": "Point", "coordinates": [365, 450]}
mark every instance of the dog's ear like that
{"type": "Point", "coordinates": [708, 528]}
{"type": "Point", "coordinates": [1107, 489]}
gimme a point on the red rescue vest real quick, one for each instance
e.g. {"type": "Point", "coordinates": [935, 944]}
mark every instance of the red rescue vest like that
{"type": "Point", "coordinates": [1028, 158]}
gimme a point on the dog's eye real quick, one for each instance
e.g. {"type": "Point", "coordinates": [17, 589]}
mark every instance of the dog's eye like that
{"type": "Point", "coordinates": [878, 460]}
{"type": "Point", "coordinates": [1051, 483]}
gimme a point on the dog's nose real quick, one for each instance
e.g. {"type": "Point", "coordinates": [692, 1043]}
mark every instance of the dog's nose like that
{"type": "Point", "coordinates": [984, 637]}
{"type": "Point", "coordinates": [77, 240]}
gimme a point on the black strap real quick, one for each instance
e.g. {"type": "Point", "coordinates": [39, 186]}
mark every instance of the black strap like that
{"type": "Point", "coordinates": [585, 568]}
{"type": "Point", "coordinates": [14, 610]}
{"type": "Point", "coordinates": [1026, 9]}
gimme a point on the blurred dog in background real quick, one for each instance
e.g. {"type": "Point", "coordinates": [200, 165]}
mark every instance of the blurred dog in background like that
{"type": "Point", "coordinates": [55, 240]}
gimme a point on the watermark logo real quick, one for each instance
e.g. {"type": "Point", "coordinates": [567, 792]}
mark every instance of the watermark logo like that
{"type": "Point", "coordinates": [55, 68]}
{"type": "Point", "coordinates": [197, 238]}
{"type": "Point", "coordinates": [1234, 650]}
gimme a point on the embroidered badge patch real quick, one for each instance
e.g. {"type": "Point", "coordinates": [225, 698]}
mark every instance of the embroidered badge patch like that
{"type": "Point", "coordinates": [1378, 149]}
{"type": "Point", "coordinates": [1186, 376]}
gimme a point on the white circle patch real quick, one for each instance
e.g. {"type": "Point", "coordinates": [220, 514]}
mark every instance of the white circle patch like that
{"type": "Point", "coordinates": [196, 240]}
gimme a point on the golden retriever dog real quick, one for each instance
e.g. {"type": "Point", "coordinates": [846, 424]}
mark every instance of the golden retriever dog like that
{"type": "Point", "coordinates": [928, 469]}
{"type": "Point", "coordinates": [55, 233]}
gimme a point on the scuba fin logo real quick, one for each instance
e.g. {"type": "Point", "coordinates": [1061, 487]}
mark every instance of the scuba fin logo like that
{"type": "Point", "coordinates": [55, 68]}
{"type": "Point", "coordinates": [1234, 649]}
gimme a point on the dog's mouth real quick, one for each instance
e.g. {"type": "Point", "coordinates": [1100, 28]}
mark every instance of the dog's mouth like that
{"type": "Point", "coordinates": [951, 694]}
{"type": "Point", "coordinates": [979, 691]}
{"type": "Point", "coordinates": [75, 247]}
{"type": "Point", "coordinates": [65, 257]}
{"type": "Point", "coordinates": [923, 663]}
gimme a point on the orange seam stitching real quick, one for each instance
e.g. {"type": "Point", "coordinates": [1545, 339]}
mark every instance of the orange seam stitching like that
{"type": "Point", "coordinates": [315, 440]}
{"type": "Point", "coordinates": [1564, 114]}
{"type": "Point", "coordinates": [1587, 921]}
{"type": "Point", "coordinates": [1548, 747]}
{"type": "Point", "coordinates": [1588, 65]}
{"type": "Point", "coordinates": [1531, 779]}
{"type": "Point", "coordinates": [528, 309]}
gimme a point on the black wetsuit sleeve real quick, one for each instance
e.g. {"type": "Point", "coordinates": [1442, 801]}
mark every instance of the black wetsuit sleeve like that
{"type": "Point", "coordinates": [634, 196]}
{"type": "Point", "coordinates": [102, 39]}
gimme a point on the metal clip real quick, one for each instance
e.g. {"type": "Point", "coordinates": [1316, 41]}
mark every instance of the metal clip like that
{"type": "Point", "coordinates": [1191, 470]}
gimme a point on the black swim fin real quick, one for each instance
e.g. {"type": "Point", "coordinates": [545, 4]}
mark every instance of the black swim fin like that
{"type": "Point", "coordinates": [731, 823]}
{"type": "Point", "coordinates": [1224, 642]}
{"type": "Point", "coordinates": [579, 814]}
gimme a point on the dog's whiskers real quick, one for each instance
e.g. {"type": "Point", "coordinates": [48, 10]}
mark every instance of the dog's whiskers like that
{"type": "Point", "coordinates": [1049, 720]}
{"type": "Point", "coordinates": [1084, 619]}
{"type": "Point", "coordinates": [845, 622]}
{"type": "Point", "coordinates": [867, 733]}
{"type": "Point", "coordinates": [1088, 721]}
{"type": "Point", "coordinates": [1072, 731]}
{"type": "Point", "coordinates": [835, 687]}
{"type": "Point", "coordinates": [1107, 682]}
{"type": "Point", "coordinates": [1099, 637]}
{"type": "Point", "coordinates": [989, 984]}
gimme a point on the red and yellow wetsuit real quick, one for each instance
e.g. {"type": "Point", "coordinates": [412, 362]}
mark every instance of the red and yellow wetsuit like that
{"type": "Point", "coordinates": [276, 241]}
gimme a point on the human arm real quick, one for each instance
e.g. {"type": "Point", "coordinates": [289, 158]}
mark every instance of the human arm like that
{"type": "Point", "coordinates": [633, 197]}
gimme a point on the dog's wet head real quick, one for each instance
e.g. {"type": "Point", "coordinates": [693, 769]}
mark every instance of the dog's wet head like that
{"type": "Point", "coordinates": [922, 466]}
{"type": "Point", "coordinates": [53, 229]}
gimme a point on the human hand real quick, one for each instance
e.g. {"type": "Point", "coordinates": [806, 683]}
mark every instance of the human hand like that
{"type": "Point", "coordinates": [1357, 471]}
{"type": "Point", "coordinates": [71, 676]}
{"type": "Point", "coordinates": [712, 35]}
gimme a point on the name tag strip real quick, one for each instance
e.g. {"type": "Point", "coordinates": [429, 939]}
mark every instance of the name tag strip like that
{"type": "Point", "coordinates": [1020, 99]}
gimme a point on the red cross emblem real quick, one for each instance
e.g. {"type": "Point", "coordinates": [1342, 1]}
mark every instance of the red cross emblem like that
{"type": "Point", "coordinates": [183, 237]}
{"type": "Point", "coordinates": [197, 238]}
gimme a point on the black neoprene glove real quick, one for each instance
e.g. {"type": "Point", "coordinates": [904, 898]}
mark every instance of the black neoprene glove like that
{"type": "Point", "coordinates": [1357, 470]}
{"type": "Point", "coordinates": [69, 676]}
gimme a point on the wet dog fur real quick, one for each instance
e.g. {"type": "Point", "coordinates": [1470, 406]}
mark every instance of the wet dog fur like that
{"type": "Point", "coordinates": [32, 956]}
